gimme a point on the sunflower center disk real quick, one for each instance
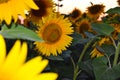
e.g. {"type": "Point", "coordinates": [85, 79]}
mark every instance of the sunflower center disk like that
{"type": "Point", "coordinates": [52, 33]}
{"type": "Point", "coordinates": [3, 1]}
{"type": "Point", "coordinates": [83, 27]}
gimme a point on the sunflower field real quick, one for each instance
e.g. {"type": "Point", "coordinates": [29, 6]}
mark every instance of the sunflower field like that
{"type": "Point", "coordinates": [37, 42]}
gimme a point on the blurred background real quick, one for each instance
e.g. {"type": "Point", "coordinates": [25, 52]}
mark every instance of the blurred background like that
{"type": "Point", "coordinates": [69, 5]}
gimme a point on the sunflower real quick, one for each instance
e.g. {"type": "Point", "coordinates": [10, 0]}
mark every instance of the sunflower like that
{"type": "Point", "coordinates": [96, 52]}
{"type": "Point", "coordinates": [75, 15]}
{"type": "Point", "coordinates": [10, 9]}
{"type": "Point", "coordinates": [55, 32]}
{"type": "Point", "coordinates": [105, 40]}
{"type": "Point", "coordinates": [83, 26]}
{"type": "Point", "coordinates": [118, 1]}
{"type": "Point", "coordinates": [46, 8]}
{"type": "Point", "coordinates": [14, 66]}
{"type": "Point", "coordinates": [116, 27]}
{"type": "Point", "coordinates": [95, 11]}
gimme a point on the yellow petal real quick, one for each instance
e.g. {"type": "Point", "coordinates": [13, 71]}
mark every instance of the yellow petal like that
{"type": "Point", "coordinates": [2, 50]}
{"type": "Point", "coordinates": [22, 54]}
{"type": "Point", "coordinates": [33, 67]}
{"type": "Point", "coordinates": [12, 56]}
{"type": "Point", "coordinates": [7, 15]}
{"type": "Point", "coordinates": [14, 11]}
{"type": "Point", "coordinates": [47, 76]}
{"type": "Point", "coordinates": [31, 4]}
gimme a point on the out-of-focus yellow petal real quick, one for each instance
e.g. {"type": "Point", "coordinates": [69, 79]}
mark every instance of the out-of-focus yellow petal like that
{"type": "Point", "coordinates": [14, 67]}
{"type": "Point", "coordinates": [31, 4]}
{"type": "Point", "coordinates": [47, 76]}
{"type": "Point", "coordinates": [10, 10]}
{"type": "Point", "coordinates": [8, 15]}
{"type": "Point", "coordinates": [33, 67]}
{"type": "Point", "coordinates": [22, 54]}
{"type": "Point", "coordinates": [2, 50]}
{"type": "Point", "coordinates": [12, 56]}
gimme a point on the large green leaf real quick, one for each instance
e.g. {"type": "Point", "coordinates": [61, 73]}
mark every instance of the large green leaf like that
{"type": "Point", "coordinates": [87, 66]}
{"type": "Point", "coordinates": [104, 72]}
{"type": "Point", "coordinates": [58, 58]}
{"type": "Point", "coordinates": [108, 49]}
{"type": "Point", "coordinates": [110, 74]}
{"type": "Point", "coordinates": [102, 28]}
{"type": "Point", "coordinates": [115, 10]}
{"type": "Point", "coordinates": [19, 32]}
{"type": "Point", "coordinates": [99, 67]}
{"type": "Point", "coordinates": [76, 38]}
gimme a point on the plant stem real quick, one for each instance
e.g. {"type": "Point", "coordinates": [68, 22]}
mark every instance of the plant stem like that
{"type": "Point", "coordinates": [116, 54]}
{"type": "Point", "coordinates": [113, 41]}
{"type": "Point", "coordinates": [109, 63]}
{"type": "Point", "coordinates": [117, 49]}
{"type": "Point", "coordinates": [76, 71]}
{"type": "Point", "coordinates": [72, 62]}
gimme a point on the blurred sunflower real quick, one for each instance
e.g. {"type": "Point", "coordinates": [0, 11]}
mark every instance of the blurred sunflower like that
{"type": "Point", "coordinates": [116, 30]}
{"type": "Point", "coordinates": [95, 11]}
{"type": "Point", "coordinates": [116, 27]}
{"type": "Point", "coordinates": [115, 35]}
{"type": "Point", "coordinates": [118, 1]}
{"type": "Point", "coordinates": [83, 26]}
{"type": "Point", "coordinates": [105, 40]}
{"type": "Point", "coordinates": [10, 9]}
{"type": "Point", "coordinates": [55, 32]}
{"type": "Point", "coordinates": [14, 65]}
{"type": "Point", "coordinates": [75, 15]}
{"type": "Point", "coordinates": [96, 52]}
{"type": "Point", "coordinates": [84, 15]}
{"type": "Point", "coordinates": [46, 7]}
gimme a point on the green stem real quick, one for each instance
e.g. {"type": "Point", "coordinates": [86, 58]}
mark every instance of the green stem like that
{"type": "Point", "coordinates": [76, 71]}
{"type": "Point", "coordinates": [109, 63]}
{"type": "Point", "coordinates": [113, 41]}
{"type": "Point", "coordinates": [73, 62]}
{"type": "Point", "coordinates": [116, 54]}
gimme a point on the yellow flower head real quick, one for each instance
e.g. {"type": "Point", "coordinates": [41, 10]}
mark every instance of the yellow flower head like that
{"type": "Point", "coordinates": [55, 32]}
{"type": "Point", "coordinates": [95, 11]}
{"type": "Point", "coordinates": [115, 35]}
{"type": "Point", "coordinates": [116, 27]}
{"type": "Point", "coordinates": [104, 40]}
{"type": "Point", "coordinates": [96, 53]}
{"type": "Point", "coordinates": [116, 31]}
{"type": "Point", "coordinates": [10, 9]}
{"type": "Point", "coordinates": [14, 65]}
{"type": "Point", "coordinates": [75, 14]}
{"type": "Point", "coordinates": [83, 26]}
{"type": "Point", "coordinates": [46, 7]}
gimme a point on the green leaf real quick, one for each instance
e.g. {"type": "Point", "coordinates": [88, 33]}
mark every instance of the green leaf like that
{"type": "Point", "coordinates": [99, 67]}
{"type": "Point", "coordinates": [111, 73]}
{"type": "Point", "coordinates": [115, 10]}
{"type": "Point", "coordinates": [119, 36]}
{"type": "Point", "coordinates": [76, 38]}
{"type": "Point", "coordinates": [87, 66]}
{"type": "Point", "coordinates": [89, 35]}
{"type": "Point", "coordinates": [103, 72]}
{"type": "Point", "coordinates": [58, 58]}
{"type": "Point", "coordinates": [19, 32]}
{"type": "Point", "coordinates": [108, 49]}
{"type": "Point", "coordinates": [102, 28]}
